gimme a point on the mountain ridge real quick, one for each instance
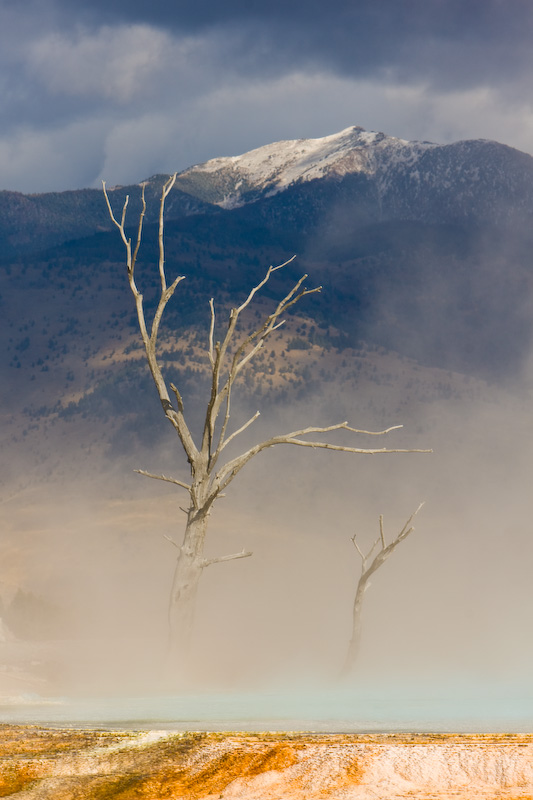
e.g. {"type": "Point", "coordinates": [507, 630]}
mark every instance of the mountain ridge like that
{"type": "Point", "coordinates": [372, 175]}
{"type": "Point", "coordinates": [402, 176]}
{"type": "Point", "coordinates": [274, 167]}
{"type": "Point", "coordinates": [443, 230]}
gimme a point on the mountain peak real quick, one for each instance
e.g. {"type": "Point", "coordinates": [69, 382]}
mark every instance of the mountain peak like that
{"type": "Point", "coordinates": [270, 169]}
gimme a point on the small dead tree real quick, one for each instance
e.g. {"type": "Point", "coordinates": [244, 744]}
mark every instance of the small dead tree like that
{"type": "Point", "coordinates": [209, 475]}
{"type": "Point", "coordinates": [369, 565]}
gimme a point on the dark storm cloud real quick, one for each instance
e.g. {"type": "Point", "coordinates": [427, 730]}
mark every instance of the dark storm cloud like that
{"type": "Point", "coordinates": [451, 42]}
{"type": "Point", "coordinates": [120, 90]}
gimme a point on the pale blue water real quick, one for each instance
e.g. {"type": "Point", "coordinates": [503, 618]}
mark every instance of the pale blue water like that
{"type": "Point", "coordinates": [468, 709]}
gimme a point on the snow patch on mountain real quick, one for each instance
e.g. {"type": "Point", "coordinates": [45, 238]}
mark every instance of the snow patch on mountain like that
{"type": "Point", "coordinates": [268, 170]}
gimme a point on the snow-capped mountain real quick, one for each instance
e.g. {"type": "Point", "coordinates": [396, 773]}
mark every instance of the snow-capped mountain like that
{"type": "Point", "coordinates": [411, 240]}
{"type": "Point", "coordinates": [233, 181]}
{"type": "Point", "coordinates": [393, 178]}
{"type": "Point", "coordinates": [271, 169]}
{"type": "Point", "coordinates": [365, 177]}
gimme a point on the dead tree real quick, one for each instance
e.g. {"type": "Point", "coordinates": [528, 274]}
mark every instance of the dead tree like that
{"type": "Point", "coordinates": [369, 565]}
{"type": "Point", "coordinates": [209, 475]}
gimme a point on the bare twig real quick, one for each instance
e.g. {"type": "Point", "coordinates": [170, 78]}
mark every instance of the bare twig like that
{"type": "Point", "coordinates": [381, 534]}
{"type": "Point", "coordinates": [211, 332]}
{"type": "Point", "coordinates": [164, 478]}
{"type": "Point", "coordinates": [171, 541]}
{"type": "Point", "coordinates": [208, 561]}
{"type": "Point", "coordinates": [241, 429]}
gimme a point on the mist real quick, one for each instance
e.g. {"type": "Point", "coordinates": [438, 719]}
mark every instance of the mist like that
{"type": "Point", "coordinates": [87, 540]}
{"type": "Point", "coordinates": [453, 602]}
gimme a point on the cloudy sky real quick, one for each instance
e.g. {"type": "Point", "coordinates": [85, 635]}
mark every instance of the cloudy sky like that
{"type": "Point", "coordinates": [122, 89]}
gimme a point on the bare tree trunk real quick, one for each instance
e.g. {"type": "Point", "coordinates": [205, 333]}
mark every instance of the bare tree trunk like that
{"type": "Point", "coordinates": [182, 603]}
{"type": "Point", "coordinates": [357, 612]}
{"type": "Point", "coordinates": [369, 565]}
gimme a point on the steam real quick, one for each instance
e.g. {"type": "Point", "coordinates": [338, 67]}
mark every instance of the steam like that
{"type": "Point", "coordinates": [86, 535]}
{"type": "Point", "coordinates": [454, 601]}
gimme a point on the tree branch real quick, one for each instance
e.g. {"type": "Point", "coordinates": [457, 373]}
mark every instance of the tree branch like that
{"type": "Point", "coordinates": [163, 478]}
{"type": "Point", "coordinates": [171, 541]}
{"type": "Point", "coordinates": [240, 360]}
{"type": "Point", "coordinates": [240, 356]}
{"type": "Point", "coordinates": [240, 430]}
{"type": "Point", "coordinates": [363, 557]}
{"type": "Point", "coordinates": [178, 397]}
{"type": "Point", "coordinates": [139, 228]}
{"type": "Point", "coordinates": [208, 561]}
{"type": "Point", "coordinates": [164, 194]}
{"type": "Point", "coordinates": [260, 285]}
{"type": "Point", "coordinates": [231, 468]}
{"type": "Point", "coordinates": [386, 550]}
{"type": "Point", "coordinates": [150, 341]}
{"type": "Point", "coordinates": [166, 293]}
{"type": "Point", "coordinates": [211, 332]}
{"type": "Point", "coordinates": [223, 430]}
{"type": "Point", "coordinates": [120, 225]}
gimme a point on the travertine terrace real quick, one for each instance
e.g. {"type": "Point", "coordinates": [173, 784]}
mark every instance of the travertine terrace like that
{"type": "Point", "coordinates": [66, 764]}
